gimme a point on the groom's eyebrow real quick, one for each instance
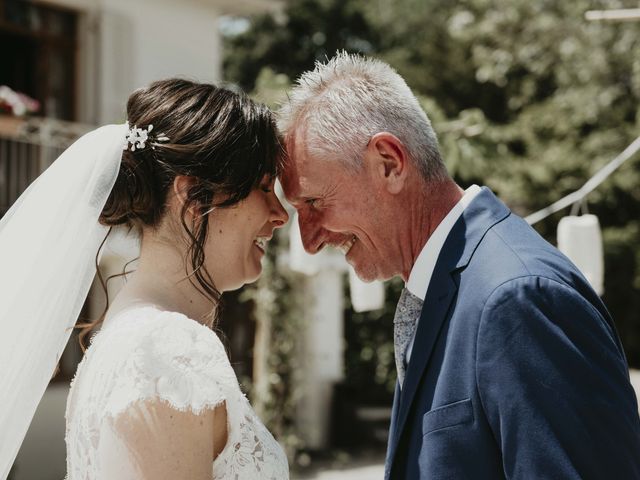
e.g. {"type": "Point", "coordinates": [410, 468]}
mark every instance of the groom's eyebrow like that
{"type": "Point", "coordinates": [299, 201]}
{"type": "Point", "coordinates": [298, 195]}
{"type": "Point", "coordinates": [294, 200]}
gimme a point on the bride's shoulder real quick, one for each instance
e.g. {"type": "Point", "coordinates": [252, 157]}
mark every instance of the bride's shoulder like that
{"type": "Point", "coordinates": [158, 335]}
{"type": "Point", "coordinates": [169, 355]}
{"type": "Point", "coordinates": [149, 324]}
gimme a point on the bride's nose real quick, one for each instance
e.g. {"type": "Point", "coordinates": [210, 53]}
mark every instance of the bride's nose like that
{"type": "Point", "coordinates": [279, 216]}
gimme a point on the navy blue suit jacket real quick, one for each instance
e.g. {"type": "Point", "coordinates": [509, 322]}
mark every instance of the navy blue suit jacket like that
{"type": "Point", "coordinates": [517, 370]}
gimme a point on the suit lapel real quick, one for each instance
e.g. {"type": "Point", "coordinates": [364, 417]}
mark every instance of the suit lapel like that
{"type": "Point", "coordinates": [483, 212]}
{"type": "Point", "coordinates": [437, 302]}
{"type": "Point", "coordinates": [390, 448]}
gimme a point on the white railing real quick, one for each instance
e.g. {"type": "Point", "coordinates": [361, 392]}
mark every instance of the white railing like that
{"type": "Point", "coordinates": [27, 148]}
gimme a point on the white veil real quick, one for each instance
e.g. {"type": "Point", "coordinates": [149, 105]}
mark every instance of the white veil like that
{"type": "Point", "coordinates": [48, 243]}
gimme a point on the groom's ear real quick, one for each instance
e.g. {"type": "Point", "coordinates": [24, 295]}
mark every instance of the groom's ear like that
{"type": "Point", "coordinates": [389, 161]}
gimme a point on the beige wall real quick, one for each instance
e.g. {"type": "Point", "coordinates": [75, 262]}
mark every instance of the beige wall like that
{"type": "Point", "coordinates": [147, 40]}
{"type": "Point", "coordinates": [125, 44]}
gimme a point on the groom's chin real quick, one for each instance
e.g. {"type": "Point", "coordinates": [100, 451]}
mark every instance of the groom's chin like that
{"type": "Point", "coordinates": [366, 272]}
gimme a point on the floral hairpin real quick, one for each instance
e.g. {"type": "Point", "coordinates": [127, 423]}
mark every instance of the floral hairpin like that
{"type": "Point", "coordinates": [137, 137]}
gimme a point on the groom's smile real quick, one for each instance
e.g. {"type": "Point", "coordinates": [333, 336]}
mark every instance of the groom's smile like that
{"type": "Point", "coordinates": [344, 207]}
{"type": "Point", "coordinates": [345, 247]}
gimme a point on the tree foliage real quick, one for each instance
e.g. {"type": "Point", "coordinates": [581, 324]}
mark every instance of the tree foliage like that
{"type": "Point", "coordinates": [527, 97]}
{"type": "Point", "coordinates": [310, 30]}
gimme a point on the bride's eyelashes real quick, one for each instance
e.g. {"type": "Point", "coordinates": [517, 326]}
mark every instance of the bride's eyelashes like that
{"type": "Point", "coordinates": [267, 187]}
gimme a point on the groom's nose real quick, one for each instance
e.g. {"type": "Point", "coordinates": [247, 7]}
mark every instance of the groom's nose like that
{"type": "Point", "coordinates": [312, 234]}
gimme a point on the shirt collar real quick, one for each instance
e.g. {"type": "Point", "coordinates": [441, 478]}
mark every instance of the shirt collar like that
{"type": "Point", "coordinates": [422, 270]}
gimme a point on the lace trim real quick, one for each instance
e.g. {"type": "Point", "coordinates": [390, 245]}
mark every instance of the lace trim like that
{"type": "Point", "coordinates": [145, 353]}
{"type": "Point", "coordinates": [187, 366]}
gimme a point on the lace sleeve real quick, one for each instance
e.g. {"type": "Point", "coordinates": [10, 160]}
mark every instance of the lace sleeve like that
{"type": "Point", "coordinates": [176, 360]}
{"type": "Point", "coordinates": [143, 405]}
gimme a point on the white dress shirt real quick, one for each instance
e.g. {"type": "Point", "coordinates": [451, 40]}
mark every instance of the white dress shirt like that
{"type": "Point", "coordinates": [420, 275]}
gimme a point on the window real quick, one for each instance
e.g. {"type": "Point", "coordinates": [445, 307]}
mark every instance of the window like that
{"type": "Point", "coordinates": [38, 46]}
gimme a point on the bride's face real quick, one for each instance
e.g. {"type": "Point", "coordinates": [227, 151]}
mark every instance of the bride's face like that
{"type": "Point", "coordinates": [238, 236]}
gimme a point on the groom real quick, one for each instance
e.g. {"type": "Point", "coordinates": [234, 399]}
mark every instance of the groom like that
{"type": "Point", "coordinates": [509, 365]}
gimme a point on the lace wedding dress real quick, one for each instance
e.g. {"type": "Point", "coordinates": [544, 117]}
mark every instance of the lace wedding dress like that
{"type": "Point", "coordinates": [145, 354]}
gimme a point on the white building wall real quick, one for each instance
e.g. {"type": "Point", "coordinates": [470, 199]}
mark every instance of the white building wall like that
{"type": "Point", "coordinates": [146, 40]}
{"type": "Point", "coordinates": [126, 44]}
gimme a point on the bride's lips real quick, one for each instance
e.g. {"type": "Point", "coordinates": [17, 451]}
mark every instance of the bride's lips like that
{"type": "Point", "coordinates": [261, 243]}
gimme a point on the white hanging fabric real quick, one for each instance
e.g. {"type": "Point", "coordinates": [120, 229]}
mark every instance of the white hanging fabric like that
{"type": "Point", "coordinates": [579, 238]}
{"type": "Point", "coordinates": [365, 296]}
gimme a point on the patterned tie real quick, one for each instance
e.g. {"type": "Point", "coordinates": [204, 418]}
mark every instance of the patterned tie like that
{"type": "Point", "coordinates": [404, 326]}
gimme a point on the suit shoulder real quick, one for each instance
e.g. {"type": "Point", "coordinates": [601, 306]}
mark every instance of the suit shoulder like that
{"type": "Point", "coordinates": [512, 249]}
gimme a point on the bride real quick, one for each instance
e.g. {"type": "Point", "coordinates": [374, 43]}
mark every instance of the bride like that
{"type": "Point", "coordinates": [155, 396]}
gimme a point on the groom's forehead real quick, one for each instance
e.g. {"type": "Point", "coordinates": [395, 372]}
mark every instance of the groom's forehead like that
{"type": "Point", "coordinates": [294, 185]}
{"type": "Point", "coordinates": [290, 179]}
{"type": "Point", "coordinates": [299, 164]}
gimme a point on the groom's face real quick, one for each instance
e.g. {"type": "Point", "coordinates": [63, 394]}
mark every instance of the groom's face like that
{"type": "Point", "coordinates": [339, 207]}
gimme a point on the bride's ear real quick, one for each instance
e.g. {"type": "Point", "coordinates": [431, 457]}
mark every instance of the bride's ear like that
{"type": "Point", "coordinates": [181, 186]}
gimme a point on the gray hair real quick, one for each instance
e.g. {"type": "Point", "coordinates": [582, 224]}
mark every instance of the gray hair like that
{"type": "Point", "coordinates": [342, 103]}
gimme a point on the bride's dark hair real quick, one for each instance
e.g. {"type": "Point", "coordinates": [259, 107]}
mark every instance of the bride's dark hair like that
{"type": "Point", "coordinates": [222, 139]}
